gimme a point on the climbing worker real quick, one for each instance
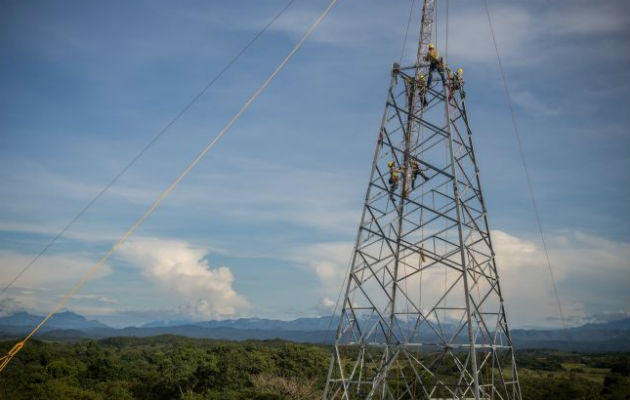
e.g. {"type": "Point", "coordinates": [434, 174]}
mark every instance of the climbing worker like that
{"type": "Point", "coordinates": [456, 82]}
{"type": "Point", "coordinates": [394, 177]}
{"type": "Point", "coordinates": [422, 83]}
{"type": "Point", "coordinates": [409, 87]}
{"type": "Point", "coordinates": [460, 82]}
{"type": "Point", "coordinates": [415, 171]}
{"type": "Point", "coordinates": [435, 62]}
{"type": "Point", "coordinates": [452, 84]}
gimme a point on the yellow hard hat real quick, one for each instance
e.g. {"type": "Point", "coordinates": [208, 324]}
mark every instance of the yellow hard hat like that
{"type": "Point", "coordinates": [422, 77]}
{"type": "Point", "coordinates": [431, 46]}
{"type": "Point", "coordinates": [390, 164]}
{"type": "Point", "coordinates": [460, 71]}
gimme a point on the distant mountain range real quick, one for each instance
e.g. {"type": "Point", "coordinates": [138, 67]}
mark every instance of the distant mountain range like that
{"type": "Point", "coordinates": [64, 320]}
{"type": "Point", "coordinates": [308, 324]}
{"type": "Point", "coordinates": [603, 337]}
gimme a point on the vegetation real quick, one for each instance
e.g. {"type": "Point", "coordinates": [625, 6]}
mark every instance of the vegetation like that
{"type": "Point", "coordinates": [558, 375]}
{"type": "Point", "coordinates": [170, 367]}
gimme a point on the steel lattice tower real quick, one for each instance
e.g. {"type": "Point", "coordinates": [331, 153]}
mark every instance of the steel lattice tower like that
{"type": "Point", "coordinates": [423, 314]}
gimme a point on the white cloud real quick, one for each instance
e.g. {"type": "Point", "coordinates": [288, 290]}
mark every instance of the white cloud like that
{"type": "Point", "coordinates": [523, 32]}
{"type": "Point", "coordinates": [591, 18]}
{"type": "Point", "coordinates": [344, 27]}
{"type": "Point", "coordinates": [470, 40]}
{"type": "Point", "coordinates": [182, 271]}
{"type": "Point", "coordinates": [533, 104]}
{"type": "Point", "coordinates": [609, 316]}
{"type": "Point", "coordinates": [591, 273]}
{"type": "Point", "coordinates": [328, 303]}
{"type": "Point", "coordinates": [329, 261]}
{"type": "Point", "coordinates": [96, 297]}
{"type": "Point", "coordinates": [43, 284]}
{"type": "Point", "coordinates": [51, 271]}
{"type": "Point", "coordinates": [9, 305]}
{"type": "Point", "coordinates": [326, 306]}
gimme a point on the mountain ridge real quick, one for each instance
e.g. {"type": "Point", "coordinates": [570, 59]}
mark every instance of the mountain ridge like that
{"type": "Point", "coordinates": [606, 337]}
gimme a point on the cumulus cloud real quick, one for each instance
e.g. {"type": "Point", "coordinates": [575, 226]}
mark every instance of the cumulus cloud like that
{"type": "Point", "coordinates": [182, 270]}
{"type": "Point", "coordinates": [326, 306]}
{"type": "Point", "coordinates": [327, 303]}
{"type": "Point", "coordinates": [329, 261]}
{"type": "Point", "coordinates": [591, 273]}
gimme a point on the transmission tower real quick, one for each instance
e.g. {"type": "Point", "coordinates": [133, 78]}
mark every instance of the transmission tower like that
{"type": "Point", "coordinates": [423, 314]}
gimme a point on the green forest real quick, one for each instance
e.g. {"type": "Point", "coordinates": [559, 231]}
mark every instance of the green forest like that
{"type": "Point", "coordinates": [171, 367]}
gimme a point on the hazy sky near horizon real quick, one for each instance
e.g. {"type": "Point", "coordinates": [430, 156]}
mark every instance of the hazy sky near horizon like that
{"type": "Point", "coordinates": [264, 225]}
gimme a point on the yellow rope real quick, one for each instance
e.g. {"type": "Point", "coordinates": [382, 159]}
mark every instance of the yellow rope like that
{"type": "Point", "coordinates": [4, 360]}
{"type": "Point", "coordinates": [9, 356]}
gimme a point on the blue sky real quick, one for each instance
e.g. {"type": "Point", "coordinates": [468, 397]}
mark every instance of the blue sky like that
{"type": "Point", "coordinates": [264, 225]}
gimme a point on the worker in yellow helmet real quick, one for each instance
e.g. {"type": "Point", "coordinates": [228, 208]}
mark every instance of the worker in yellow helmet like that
{"type": "Point", "coordinates": [410, 86]}
{"type": "Point", "coordinates": [415, 171]}
{"type": "Point", "coordinates": [456, 82]}
{"type": "Point", "coordinates": [435, 62]}
{"type": "Point", "coordinates": [422, 84]}
{"type": "Point", "coordinates": [460, 81]}
{"type": "Point", "coordinates": [394, 177]}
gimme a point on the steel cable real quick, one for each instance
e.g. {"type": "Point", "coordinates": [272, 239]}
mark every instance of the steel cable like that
{"type": "Point", "coordinates": [526, 169]}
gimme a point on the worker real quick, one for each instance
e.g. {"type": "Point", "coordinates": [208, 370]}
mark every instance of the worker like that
{"type": "Point", "coordinates": [460, 81]}
{"type": "Point", "coordinates": [456, 83]}
{"type": "Point", "coordinates": [452, 84]}
{"type": "Point", "coordinates": [415, 171]}
{"type": "Point", "coordinates": [435, 62]}
{"type": "Point", "coordinates": [422, 83]}
{"type": "Point", "coordinates": [394, 176]}
{"type": "Point", "coordinates": [409, 87]}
